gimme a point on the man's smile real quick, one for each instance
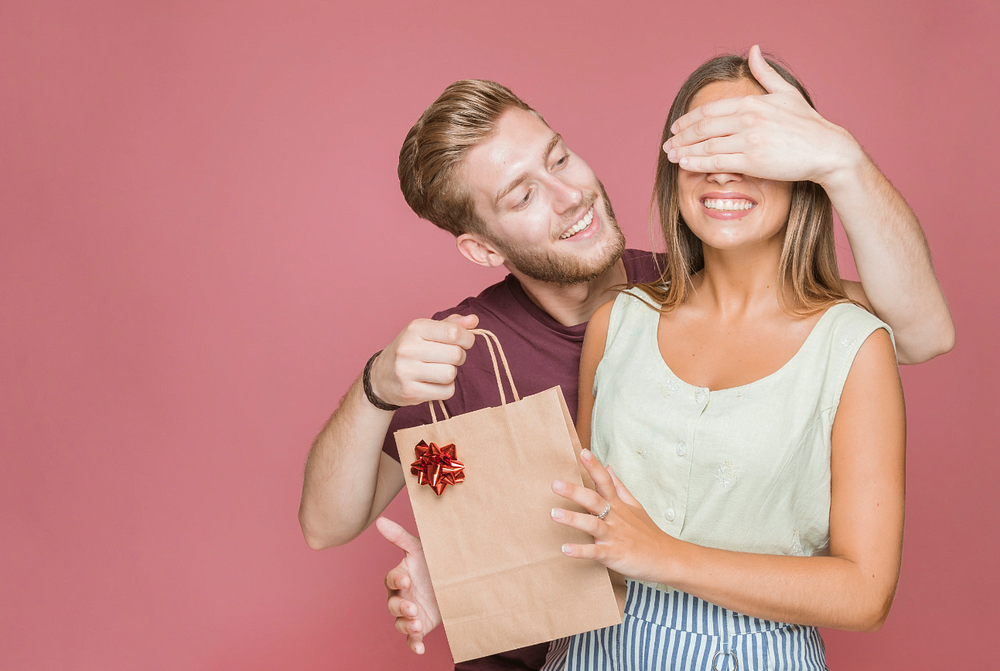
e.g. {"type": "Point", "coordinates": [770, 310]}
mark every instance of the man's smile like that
{"type": "Point", "coordinates": [580, 225]}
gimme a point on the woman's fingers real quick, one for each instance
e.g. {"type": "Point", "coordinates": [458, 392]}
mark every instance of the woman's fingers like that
{"type": "Point", "coordinates": [602, 480]}
{"type": "Point", "coordinates": [587, 523]}
{"type": "Point", "coordinates": [596, 503]}
{"type": "Point", "coordinates": [580, 495]}
{"type": "Point", "coordinates": [583, 551]}
{"type": "Point", "coordinates": [623, 493]}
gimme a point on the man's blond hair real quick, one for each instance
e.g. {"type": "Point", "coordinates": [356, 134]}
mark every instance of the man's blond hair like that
{"type": "Point", "coordinates": [464, 115]}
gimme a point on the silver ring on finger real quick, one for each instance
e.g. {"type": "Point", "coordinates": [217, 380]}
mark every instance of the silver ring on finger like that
{"type": "Point", "coordinates": [607, 509]}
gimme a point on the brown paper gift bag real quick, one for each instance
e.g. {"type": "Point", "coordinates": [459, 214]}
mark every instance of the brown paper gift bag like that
{"type": "Point", "coordinates": [493, 550]}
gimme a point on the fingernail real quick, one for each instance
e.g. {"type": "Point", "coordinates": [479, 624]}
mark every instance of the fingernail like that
{"type": "Point", "coordinates": [567, 550]}
{"type": "Point", "coordinates": [585, 454]}
{"type": "Point", "coordinates": [420, 649]}
{"type": "Point", "coordinates": [672, 154]}
{"type": "Point", "coordinates": [411, 611]}
{"type": "Point", "coordinates": [558, 486]}
{"type": "Point", "coordinates": [666, 146]}
{"type": "Point", "coordinates": [557, 514]}
{"type": "Point", "coordinates": [684, 162]}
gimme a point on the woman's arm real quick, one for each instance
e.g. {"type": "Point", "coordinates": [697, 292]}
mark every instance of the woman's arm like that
{"type": "Point", "coordinates": [851, 589]}
{"type": "Point", "coordinates": [593, 351]}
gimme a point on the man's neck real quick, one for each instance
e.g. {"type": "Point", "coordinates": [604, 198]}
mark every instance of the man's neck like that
{"type": "Point", "coordinates": [572, 304]}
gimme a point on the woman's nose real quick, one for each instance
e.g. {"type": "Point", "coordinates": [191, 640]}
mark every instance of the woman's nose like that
{"type": "Point", "coordinates": [724, 177]}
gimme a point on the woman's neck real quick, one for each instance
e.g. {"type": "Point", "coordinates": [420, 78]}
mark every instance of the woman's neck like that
{"type": "Point", "coordinates": [739, 282]}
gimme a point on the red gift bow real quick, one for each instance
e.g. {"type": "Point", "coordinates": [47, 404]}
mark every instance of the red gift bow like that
{"type": "Point", "coordinates": [436, 466]}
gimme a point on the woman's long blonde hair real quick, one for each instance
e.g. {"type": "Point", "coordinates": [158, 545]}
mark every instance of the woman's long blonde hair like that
{"type": "Point", "coordinates": [808, 278]}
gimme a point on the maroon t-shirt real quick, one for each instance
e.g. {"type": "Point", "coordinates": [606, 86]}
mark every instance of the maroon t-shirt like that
{"type": "Point", "coordinates": [542, 353]}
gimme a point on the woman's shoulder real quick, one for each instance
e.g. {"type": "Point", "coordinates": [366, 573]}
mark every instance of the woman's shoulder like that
{"type": "Point", "coordinates": [851, 324]}
{"type": "Point", "coordinates": [601, 318]}
{"type": "Point", "coordinates": [862, 360]}
{"type": "Point", "coordinates": [850, 334]}
{"type": "Point", "coordinates": [631, 313]}
{"type": "Point", "coordinates": [633, 303]}
{"type": "Point", "coordinates": [640, 293]}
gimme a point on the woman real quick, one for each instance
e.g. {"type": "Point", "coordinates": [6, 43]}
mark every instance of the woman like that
{"type": "Point", "coordinates": [752, 422]}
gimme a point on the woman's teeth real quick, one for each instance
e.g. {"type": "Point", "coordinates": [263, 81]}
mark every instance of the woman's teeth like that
{"type": "Point", "coordinates": [580, 225]}
{"type": "Point", "coordinates": [727, 205]}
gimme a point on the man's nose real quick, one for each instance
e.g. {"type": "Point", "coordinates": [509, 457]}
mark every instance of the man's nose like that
{"type": "Point", "coordinates": [567, 196]}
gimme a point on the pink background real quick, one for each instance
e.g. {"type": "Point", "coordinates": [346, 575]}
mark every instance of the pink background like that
{"type": "Point", "coordinates": [202, 239]}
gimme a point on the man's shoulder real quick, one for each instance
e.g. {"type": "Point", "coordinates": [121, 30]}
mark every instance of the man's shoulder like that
{"type": "Point", "coordinates": [494, 298]}
{"type": "Point", "coordinates": [642, 266]}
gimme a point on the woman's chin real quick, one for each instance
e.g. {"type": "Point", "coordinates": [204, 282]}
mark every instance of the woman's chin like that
{"type": "Point", "coordinates": [743, 242]}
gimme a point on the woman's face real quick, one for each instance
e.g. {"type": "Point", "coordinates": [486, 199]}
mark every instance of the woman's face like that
{"type": "Point", "coordinates": [731, 210]}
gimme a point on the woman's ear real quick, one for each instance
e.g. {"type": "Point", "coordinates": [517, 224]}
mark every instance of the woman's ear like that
{"type": "Point", "coordinates": [479, 251]}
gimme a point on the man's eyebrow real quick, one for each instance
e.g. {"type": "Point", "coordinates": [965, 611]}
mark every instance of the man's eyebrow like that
{"type": "Point", "coordinates": [507, 189]}
{"type": "Point", "coordinates": [556, 139]}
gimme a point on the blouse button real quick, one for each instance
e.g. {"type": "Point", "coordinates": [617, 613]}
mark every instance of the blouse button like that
{"type": "Point", "coordinates": [681, 449]}
{"type": "Point", "coordinates": [669, 514]}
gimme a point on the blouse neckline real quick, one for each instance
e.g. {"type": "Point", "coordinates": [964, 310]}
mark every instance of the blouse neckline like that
{"type": "Point", "coordinates": [788, 364]}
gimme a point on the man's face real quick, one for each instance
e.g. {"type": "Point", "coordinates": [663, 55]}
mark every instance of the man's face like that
{"type": "Point", "coordinates": [546, 213]}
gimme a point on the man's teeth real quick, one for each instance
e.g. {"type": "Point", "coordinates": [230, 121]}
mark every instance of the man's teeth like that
{"type": "Point", "coordinates": [580, 225]}
{"type": "Point", "coordinates": [727, 205]}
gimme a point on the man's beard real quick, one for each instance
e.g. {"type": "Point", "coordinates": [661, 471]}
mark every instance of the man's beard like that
{"type": "Point", "coordinates": [558, 269]}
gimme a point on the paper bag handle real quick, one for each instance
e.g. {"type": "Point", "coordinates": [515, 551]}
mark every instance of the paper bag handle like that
{"type": "Point", "coordinates": [491, 340]}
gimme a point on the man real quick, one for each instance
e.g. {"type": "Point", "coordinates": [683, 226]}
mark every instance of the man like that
{"type": "Point", "coordinates": [484, 166]}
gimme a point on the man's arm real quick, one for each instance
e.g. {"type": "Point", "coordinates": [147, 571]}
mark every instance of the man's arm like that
{"type": "Point", "coordinates": [348, 479]}
{"type": "Point", "coordinates": [779, 136]}
{"type": "Point", "coordinates": [893, 261]}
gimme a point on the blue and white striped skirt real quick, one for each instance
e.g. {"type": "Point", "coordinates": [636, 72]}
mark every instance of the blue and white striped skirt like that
{"type": "Point", "coordinates": [676, 631]}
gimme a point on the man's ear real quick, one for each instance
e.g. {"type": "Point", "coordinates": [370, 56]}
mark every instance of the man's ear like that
{"type": "Point", "coordinates": [479, 251]}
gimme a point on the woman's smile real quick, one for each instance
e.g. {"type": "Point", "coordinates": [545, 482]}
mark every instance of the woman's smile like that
{"type": "Point", "coordinates": [727, 205]}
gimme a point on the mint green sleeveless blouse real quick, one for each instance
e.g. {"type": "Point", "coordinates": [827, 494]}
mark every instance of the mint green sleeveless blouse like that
{"type": "Point", "coordinates": [744, 469]}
